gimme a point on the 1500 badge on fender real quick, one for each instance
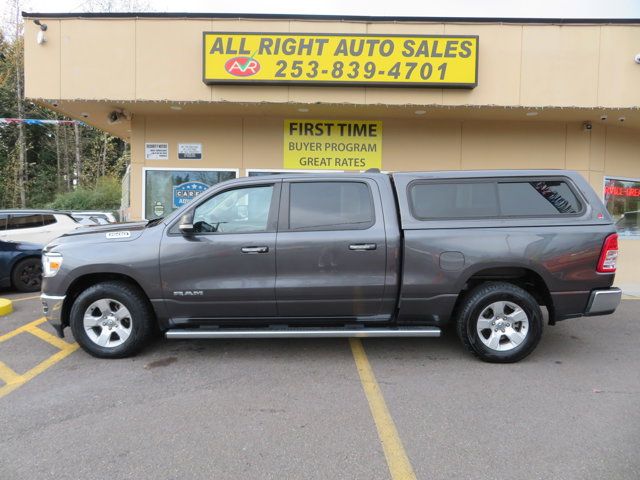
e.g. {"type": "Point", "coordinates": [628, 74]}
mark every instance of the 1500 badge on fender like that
{"type": "Point", "coordinates": [123, 234]}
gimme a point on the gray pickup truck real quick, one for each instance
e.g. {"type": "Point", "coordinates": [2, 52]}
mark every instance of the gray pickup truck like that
{"type": "Point", "coordinates": [344, 255]}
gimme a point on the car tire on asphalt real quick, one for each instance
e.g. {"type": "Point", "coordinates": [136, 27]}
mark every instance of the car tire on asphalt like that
{"type": "Point", "coordinates": [26, 275]}
{"type": "Point", "coordinates": [111, 320]}
{"type": "Point", "coordinates": [499, 322]}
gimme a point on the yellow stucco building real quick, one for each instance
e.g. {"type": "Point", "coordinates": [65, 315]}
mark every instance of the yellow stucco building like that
{"type": "Point", "coordinates": [205, 97]}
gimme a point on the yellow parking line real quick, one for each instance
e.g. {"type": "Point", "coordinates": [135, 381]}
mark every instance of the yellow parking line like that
{"type": "Point", "coordinates": [24, 298]}
{"type": "Point", "coordinates": [37, 370]}
{"type": "Point", "coordinates": [49, 362]}
{"type": "Point", "coordinates": [13, 333]}
{"type": "Point", "coordinates": [397, 460]}
{"type": "Point", "coordinates": [12, 379]}
{"type": "Point", "coordinates": [7, 375]}
{"type": "Point", "coordinates": [47, 337]}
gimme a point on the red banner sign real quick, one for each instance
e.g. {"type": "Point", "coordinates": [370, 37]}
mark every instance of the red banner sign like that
{"type": "Point", "coordinates": [622, 191]}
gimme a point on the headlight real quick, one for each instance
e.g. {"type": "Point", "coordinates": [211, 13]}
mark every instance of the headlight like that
{"type": "Point", "coordinates": [51, 263]}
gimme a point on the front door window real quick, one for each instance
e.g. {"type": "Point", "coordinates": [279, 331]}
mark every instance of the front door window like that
{"type": "Point", "coordinates": [242, 210]}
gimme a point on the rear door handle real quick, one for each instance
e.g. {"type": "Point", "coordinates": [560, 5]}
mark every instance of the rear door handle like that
{"type": "Point", "coordinates": [362, 246]}
{"type": "Point", "coordinates": [255, 249]}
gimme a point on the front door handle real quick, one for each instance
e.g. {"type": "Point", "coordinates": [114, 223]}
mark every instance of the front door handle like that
{"type": "Point", "coordinates": [362, 246]}
{"type": "Point", "coordinates": [255, 249]}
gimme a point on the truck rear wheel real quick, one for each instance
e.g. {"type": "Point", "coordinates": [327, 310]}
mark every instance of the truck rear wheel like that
{"type": "Point", "coordinates": [499, 322]}
{"type": "Point", "coordinates": [111, 320]}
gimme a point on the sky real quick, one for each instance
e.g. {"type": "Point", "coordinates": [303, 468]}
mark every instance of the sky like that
{"type": "Point", "coordinates": [433, 8]}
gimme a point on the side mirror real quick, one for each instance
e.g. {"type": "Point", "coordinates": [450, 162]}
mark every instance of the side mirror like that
{"type": "Point", "coordinates": [186, 224]}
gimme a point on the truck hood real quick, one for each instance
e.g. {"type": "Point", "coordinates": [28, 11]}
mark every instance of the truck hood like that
{"type": "Point", "coordinates": [104, 229]}
{"type": "Point", "coordinates": [121, 232]}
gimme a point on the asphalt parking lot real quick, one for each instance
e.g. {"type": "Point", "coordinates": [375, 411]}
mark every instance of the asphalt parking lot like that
{"type": "Point", "coordinates": [325, 409]}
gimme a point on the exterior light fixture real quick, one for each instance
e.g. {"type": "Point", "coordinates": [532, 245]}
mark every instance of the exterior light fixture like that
{"type": "Point", "coordinates": [117, 115]}
{"type": "Point", "coordinates": [531, 114]}
{"type": "Point", "coordinates": [420, 112]}
{"type": "Point", "coordinates": [303, 110]}
{"type": "Point", "coordinates": [175, 107]}
{"type": "Point", "coordinates": [40, 38]}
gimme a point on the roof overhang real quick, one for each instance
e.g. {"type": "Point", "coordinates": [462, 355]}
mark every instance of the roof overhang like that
{"type": "Point", "coordinates": [336, 18]}
{"type": "Point", "coordinates": [96, 113]}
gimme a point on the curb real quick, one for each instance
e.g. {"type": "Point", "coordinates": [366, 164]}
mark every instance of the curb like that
{"type": "Point", "coordinates": [6, 306]}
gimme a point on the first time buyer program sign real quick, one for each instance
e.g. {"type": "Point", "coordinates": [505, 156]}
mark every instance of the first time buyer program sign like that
{"type": "Point", "coordinates": [332, 144]}
{"type": "Point", "coordinates": [337, 59]}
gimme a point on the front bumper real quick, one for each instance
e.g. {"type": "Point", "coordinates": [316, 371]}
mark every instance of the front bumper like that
{"type": "Point", "coordinates": [603, 302]}
{"type": "Point", "coordinates": [52, 309]}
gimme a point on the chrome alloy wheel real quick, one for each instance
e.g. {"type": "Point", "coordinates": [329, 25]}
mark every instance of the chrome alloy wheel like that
{"type": "Point", "coordinates": [502, 326]}
{"type": "Point", "coordinates": [107, 323]}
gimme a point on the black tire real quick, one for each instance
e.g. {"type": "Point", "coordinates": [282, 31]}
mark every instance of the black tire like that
{"type": "Point", "coordinates": [140, 321]}
{"type": "Point", "coordinates": [478, 302]}
{"type": "Point", "coordinates": [26, 275]}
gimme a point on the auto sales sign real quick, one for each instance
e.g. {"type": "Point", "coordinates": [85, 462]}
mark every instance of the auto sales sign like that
{"type": "Point", "coordinates": [329, 59]}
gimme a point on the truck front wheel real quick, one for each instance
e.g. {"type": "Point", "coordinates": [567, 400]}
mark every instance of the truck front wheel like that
{"type": "Point", "coordinates": [499, 322]}
{"type": "Point", "coordinates": [111, 320]}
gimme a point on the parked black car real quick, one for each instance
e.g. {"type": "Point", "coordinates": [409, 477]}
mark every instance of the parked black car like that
{"type": "Point", "coordinates": [20, 266]}
{"type": "Point", "coordinates": [345, 255]}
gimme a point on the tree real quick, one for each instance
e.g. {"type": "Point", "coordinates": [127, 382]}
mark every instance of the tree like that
{"type": "Point", "coordinates": [37, 161]}
{"type": "Point", "coordinates": [19, 73]}
{"type": "Point", "coordinates": [105, 195]}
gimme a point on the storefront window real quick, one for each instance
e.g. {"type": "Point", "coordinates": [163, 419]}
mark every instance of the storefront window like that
{"type": "Point", "coordinates": [622, 197]}
{"type": "Point", "coordinates": [167, 190]}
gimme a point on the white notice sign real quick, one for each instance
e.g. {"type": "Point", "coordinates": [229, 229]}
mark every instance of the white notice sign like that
{"type": "Point", "coordinates": [189, 151]}
{"type": "Point", "coordinates": [156, 151]}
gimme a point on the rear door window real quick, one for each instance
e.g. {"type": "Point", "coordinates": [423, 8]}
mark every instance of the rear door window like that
{"type": "Point", "coordinates": [453, 200]}
{"type": "Point", "coordinates": [537, 198]}
{"type": "Point", "coordinates": [330, 206]}
{"type": "Point", "coordinates": [27, 220]}
{"type": "Point", "coordinates": [3, 221]}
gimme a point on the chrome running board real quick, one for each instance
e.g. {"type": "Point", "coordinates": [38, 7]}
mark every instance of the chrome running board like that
{"type": "Point", "coordinates": [302, 332]}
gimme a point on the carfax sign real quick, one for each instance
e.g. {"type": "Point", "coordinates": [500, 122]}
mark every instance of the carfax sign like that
{"type": "Point", "coordinates": [321, 59]}
{"type": "Point", "coordinates": [332, 144]}
{"type": "Point", "coordinates": [187, 191]}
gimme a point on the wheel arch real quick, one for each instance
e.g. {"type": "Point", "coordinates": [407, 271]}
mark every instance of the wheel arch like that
{"type": "Point", "coordinates": [85, 281]}
{"type": "Point", "coordinates": [523, 276]}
